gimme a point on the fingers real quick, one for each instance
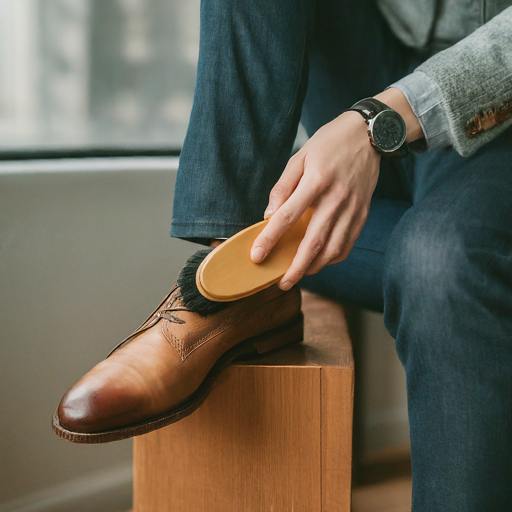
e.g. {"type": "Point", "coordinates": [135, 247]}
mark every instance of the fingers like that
{"type": "Point", "coordinates": [338, 186]}
{"type": "Point", "coordinates": [333, 247]}
{"type": "Point", "coordinates": [327, 241]}
{"type": "Point", "coordinates": [340, 242]}
{"type": "Point", "coordinates": [287, 183]}
{"type": "Point", "coordinates": [284, 218]}
{"type": "Point", "coordinates": [312, 244]}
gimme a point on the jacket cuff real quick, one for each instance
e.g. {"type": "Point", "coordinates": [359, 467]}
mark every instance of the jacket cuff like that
{"type": "Point", "coordinates": [423, 95]}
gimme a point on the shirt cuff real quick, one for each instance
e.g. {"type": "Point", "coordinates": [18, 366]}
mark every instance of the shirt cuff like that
{"type": "Point", "coordinates": [424, 97]}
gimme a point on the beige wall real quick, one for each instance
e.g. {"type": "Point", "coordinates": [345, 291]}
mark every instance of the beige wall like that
{"type": "Point", "coordinates": [84, 256]}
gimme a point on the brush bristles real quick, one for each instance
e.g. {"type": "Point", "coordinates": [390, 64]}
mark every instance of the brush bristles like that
{"type": "Point", "coordinates": [192, 298]}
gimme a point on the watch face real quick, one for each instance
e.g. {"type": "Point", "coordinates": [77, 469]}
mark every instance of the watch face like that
{"type": "Point", "coordinates": [388, 131]}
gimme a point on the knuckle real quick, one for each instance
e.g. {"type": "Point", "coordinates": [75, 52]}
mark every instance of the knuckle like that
{"type": "Point", "coordinates": [297, 274]}
{"type": "Point", "coordinates": [319, 184]}
{"type": "Point", "coordinates": [321, 176]}
{"type": "Point", "coordinates": [316, 245]}
{"type": "Point", "coordinates": [286, 216]}
{"type": "Point", "coordinates": [343, 193]}
{"type": "Point", "coordinates": [329, 170]}
{"type": "Point", "coordinates": [332, 254]}
{"type": "Point", "coordinates": [277, 191]}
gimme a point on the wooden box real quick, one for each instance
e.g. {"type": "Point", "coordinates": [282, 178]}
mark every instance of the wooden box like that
{"type": "Point", "coordinates": [274, 435]}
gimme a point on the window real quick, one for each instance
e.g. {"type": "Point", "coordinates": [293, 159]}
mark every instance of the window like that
{"type": "Point", "coordinates": [96, 74]}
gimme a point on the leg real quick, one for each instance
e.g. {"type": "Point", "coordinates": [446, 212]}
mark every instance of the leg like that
{"type": "Point", "coordinates": [251, 81]}
{"type": "Point", "coordinates": [448, 303]}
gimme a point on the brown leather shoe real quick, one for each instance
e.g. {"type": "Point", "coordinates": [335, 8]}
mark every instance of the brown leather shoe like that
{"type": "Point", "coordinates": [165, 370]}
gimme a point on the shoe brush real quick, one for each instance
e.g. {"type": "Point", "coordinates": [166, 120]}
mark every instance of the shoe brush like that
{"type": "Point", "coordinates": [227, 273]}
{"type": "Point", "coordinates": [192, 299]}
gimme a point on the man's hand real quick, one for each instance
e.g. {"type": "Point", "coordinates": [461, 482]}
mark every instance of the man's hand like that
{"type": "Point", "coordinates": [335, 172]}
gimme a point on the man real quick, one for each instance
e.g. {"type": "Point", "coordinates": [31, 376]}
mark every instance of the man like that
{"type": "Point", "coordinates": [425, 238]}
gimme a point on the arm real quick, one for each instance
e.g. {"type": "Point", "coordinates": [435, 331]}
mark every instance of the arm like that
{"type": "Point", "coordinates": [468, 87]}
{"type": "Point", "coordinates": [336, 171]}
{"type": "Point", "coordinates": [462, 96]}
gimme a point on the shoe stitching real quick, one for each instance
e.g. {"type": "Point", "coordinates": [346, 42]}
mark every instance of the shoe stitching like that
{"type": "Point", "coordinates": [214, 334]}
{"type": "Point", "coordinates": [177, 343]}
{"type": "Point", "coordinates": [223, 327]}
{"type": "Point", "coordinates": [173, 340]}
{"type": "Point", "coordinates": [184, 353]}
{"type": "Point", "coordinates": [164, 311]}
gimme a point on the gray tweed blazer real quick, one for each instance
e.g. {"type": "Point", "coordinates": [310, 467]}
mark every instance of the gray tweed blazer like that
{"type": "Point", "coordinates": [472, 71]}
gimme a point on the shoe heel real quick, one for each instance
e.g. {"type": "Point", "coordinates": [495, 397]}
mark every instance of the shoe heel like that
{"type": "Point", "coordinates": [288, 335]}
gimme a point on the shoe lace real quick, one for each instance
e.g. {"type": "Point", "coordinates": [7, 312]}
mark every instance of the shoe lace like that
{"type": "Point", "coordinates": [168, 311]}
{"type": "Point", "coordinates": [160, 312]}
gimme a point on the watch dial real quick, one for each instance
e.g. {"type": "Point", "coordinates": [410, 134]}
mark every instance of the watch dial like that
{"type": "Point", "coordinates": [388, 131]}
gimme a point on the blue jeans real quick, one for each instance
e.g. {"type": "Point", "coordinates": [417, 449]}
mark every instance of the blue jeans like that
{"type": "Point", "coordinates": [435, 254]}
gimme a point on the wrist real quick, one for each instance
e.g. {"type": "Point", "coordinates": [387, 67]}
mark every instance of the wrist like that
{"type": "Point", "coordinates": [359, 135]}
{"type": "Point", "coordinates": [356, 121]}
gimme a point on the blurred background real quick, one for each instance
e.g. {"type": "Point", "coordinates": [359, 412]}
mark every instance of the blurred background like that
{"type": "Point", "coordinates": [96, 73]}
{"type": "Point", "coordinates": [95, 97]}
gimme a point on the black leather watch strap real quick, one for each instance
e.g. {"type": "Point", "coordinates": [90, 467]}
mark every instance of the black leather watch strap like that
{"type": "Point", "coordinates": [369, 108]}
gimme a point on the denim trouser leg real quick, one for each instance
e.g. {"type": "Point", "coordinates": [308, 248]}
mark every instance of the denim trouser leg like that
{"type": "Point", "coordinates": [448, 303]}
{"type": "Point", "coordinates": [443, 271]}
{"type": "Point", "coordinates": [353, 55]}
{"type": "Point", "coordinates": [252, 78]}
{"type": "Point", "coordinates": [251, 81]}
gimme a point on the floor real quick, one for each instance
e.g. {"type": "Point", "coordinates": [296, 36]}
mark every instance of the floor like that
{"type": "Point", "coordinates": [390, 496]}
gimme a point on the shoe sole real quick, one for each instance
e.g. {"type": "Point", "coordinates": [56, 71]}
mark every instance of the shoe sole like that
{"type": "Point", "coordinates": [263, 344]}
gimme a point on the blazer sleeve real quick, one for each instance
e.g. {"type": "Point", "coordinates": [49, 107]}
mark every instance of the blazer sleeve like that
{"type": "Point", "coordinates": [462, 96]}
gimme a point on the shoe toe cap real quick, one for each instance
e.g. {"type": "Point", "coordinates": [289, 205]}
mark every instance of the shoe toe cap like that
{"type": "Point", "coordinates": [78, 410]}
{"type": "Point", "coordinates": [94, 405]}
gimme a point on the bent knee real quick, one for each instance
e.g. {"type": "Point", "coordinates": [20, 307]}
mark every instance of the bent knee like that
{"type": "Point", "coordinates": [426, 255]}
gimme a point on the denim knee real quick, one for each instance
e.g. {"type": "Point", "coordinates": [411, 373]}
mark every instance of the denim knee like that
{"type": "Point", "coordinates": [447, 288]}
{"type": "Point", "coordinates": [426, 255]}
{"type": "Point", "coordinates": [446, 277]}
{"type": "Point", "coordinates": [428, 274]}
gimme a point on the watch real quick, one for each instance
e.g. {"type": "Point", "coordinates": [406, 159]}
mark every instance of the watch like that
{"type": "Point", "coordinates": [386, 128]}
